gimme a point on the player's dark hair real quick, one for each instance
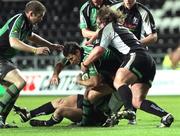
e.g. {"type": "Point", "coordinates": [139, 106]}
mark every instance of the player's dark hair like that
{"type": "Point", "coordinates": [35, 6]}
{"type": "Point", "coordinates": [70, 48]}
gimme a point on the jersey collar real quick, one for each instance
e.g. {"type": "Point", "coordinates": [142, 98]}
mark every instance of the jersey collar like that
{"type": "Point", "coordinates": [134, 7]}
{"type": "Point", "coordinates": [26, 20]}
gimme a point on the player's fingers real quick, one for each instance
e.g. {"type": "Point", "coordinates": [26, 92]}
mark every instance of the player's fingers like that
{"type": "Point", "coordinates": [47, 49]}
{"type": "Point", "coordinates": [46, 52]}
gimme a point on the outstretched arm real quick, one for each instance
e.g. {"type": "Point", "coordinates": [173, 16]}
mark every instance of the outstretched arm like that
{"type": "Point", "coordinates": [43, 42]}
{"type": "Point", "coordinates": [55, 77]}
{"type": "Point", "coordinates": [94, 55]}
{"type": "Point", "coordinates": [19, 45]}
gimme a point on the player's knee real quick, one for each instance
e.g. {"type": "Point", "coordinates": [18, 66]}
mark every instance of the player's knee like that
{"type": "Point", "coordinates": [92, 97]}
{"type": "Point", "coordinates": [57, 103]}
{"type": "Point", "coordinates": [117, 84]}
{"type": "Point", "coordinates": [60, 111]}
{"type": "Point", "coordinates": [20, 84]}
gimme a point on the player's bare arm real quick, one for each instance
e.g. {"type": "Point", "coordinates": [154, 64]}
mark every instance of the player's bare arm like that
{"type": "Point", "coordinates": [19, 45]}
{"type": "Point", "coordinates": [88, 33]}
{"type": "Point", "coordinates": [150, 39]}
{"type": "Point", "coordinates": [95, 54]}
{"type": "Point", "coordinates": [55, 80]}
{"type": "Point", "coordinates": [43, 42]}
{"type": "Point", "coordinates": [93, 81]}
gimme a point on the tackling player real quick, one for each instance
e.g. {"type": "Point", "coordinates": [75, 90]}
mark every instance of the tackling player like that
{"type": "Point", "coordinates": [138, 67]}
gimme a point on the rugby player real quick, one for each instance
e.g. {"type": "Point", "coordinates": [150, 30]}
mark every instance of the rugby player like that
{"type": "Point", "coordinates": [138, 67]}
{"type": "Point", "coordinates": [13, 35]}
{"type": "Point", "coordinates": [98, 84]}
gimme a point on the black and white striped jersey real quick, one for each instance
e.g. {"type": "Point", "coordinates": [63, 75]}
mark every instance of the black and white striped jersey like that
{"type": "Point", "coordinates": [138, 19]}
{"type": "Point", "coordinates": [118, 37]}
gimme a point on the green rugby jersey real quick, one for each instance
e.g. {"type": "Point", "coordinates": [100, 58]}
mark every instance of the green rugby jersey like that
{"type": "Point", "coordinates": [17, 26]}
{"type": "Point", "coordinates": [107, 62]}
{"type": "Point", "coordinates": [88, 13]}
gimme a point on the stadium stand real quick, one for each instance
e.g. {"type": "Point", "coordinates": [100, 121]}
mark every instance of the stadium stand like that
{"type": "Point", "coordinates": [62, 20]}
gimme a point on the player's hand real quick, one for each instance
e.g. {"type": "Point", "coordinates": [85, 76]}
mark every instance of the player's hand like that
{"type": "Point", "coordinates": [83, 67]}
{"type": "Point", "coordinates": [42, 51]}
{"type": "Point", "coordinates": [55, 80]}
{"type": "Point", "coordinates": [57, 47]}
{"type": "Point", "coordinates": [89, 42]}
{"type": "Point", "coordinates": [92, 39]}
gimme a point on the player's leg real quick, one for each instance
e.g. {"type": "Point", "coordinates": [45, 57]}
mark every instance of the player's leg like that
{"type": "Point", "coordinates": [90, 98]}
{"type": "Point", "coordinates": [12, 75]}
{"type": "Point", "coordinates": [98, 92]}
{"type": "Point", "coordinates": [138, 67]}
{"type": "Point", "coordinates": [139, 94]}
{"type": "Point", "coordinates": [74, 114]}
{"type": "Point", "coordinates": [8, 108]}
{"type": "Point", "coordinates": [69, 108]}
{"type": "Point", "coordinates": [124, 77]}
{"type": "Point", "coordinates": [44, 109]}
{"type": "Point", "coordinates": [26, 115]}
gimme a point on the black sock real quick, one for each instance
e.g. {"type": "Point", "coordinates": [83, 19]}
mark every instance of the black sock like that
{"type": "Point", "coordinates": [52, 121]}
{"type": "Point", "coordinates": [87, 112]}
{"type": "Point", "coordinates": [151, 107]}
{"type": "Point", "coordinates": [45, 109]}
{"type": "Point", "coordinates": [126, 96]}
{"type": "Point", "coordinates": [134, 109]}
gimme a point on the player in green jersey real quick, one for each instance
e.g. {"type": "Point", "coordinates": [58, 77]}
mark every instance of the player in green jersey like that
{"type": "Point", "coordinates": [98, 81]}
{"type": "Point", "coordinates": [13, 35]}
{"type": "Point", "coordinates": [88, 13]}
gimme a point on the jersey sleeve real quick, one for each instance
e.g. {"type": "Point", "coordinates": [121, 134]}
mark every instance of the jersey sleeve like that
{"type": "Point", "coordinates": [149, 24]}
{"type": "Point", "coordinates": [16, 28]}
{"type": "Point", "coordinates": [105, 36]}
{"type": "Point", "coordinates": [83, 21]}
{"type": "Point", "coordinates": [92, 71]}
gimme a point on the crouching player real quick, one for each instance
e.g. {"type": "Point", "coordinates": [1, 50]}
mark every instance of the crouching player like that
{"type": "Point", "coordinates": [98, 86]}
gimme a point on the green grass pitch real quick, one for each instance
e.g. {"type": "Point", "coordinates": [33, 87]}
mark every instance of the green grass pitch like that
{"type": "Point", "coordinates": [146, 123]}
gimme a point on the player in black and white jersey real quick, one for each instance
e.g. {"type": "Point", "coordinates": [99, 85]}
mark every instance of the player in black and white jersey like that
{"type": "Point", "coordinates": [138, 67]}
{"type": "Point", "coordinates": [139, 20]}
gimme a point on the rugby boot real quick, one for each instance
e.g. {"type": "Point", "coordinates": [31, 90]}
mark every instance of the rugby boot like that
{"type": "Point", "coordinates": [126, 114]}
{"type": "Point", "coordinates": [39, 123]}
{"type": "Point", "coordinates": [2, 125]}
{"type": "Point", "coordinates": [166, 121]}
{"type": "Point", "coordinates": [23, 113]}
{"type": "Point", "coordinates": [111, 121]}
